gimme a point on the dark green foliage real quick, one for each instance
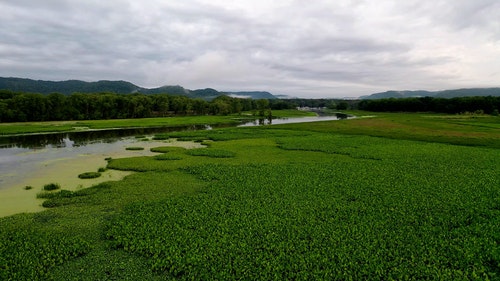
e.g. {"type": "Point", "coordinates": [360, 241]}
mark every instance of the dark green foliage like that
{"type": "Point", "coordinates": [56, 199]}
{"type": "Point", "coordinates": [27, 254]}
{"type": "Point", "coordinates": [167, 157]}
{"type": "Point", "coordinates": [210, 152]}
{"type": "Point", "coordinates": [60, 194]}
{"type": "Point", "coordinates": [161, 137]}
{"type": "Point", "coordinates": [320, 221]}
{"type": "Point", "coordinates": [101, 170]}
{"type": "Point", "coordinates": [165, 149]}
{"type": "Point", "coordinates": [51, 186]}
{"type": "Point", "coordinates": [486, 104]}
{"type": "Point", "coordinates": [134, 148]}
{"type": "Point", "coordinates": [28, 187]}
{"type": "Point", "coordinates": [23, 107]}
{"type": "Point", "coordinates": [90, 175]}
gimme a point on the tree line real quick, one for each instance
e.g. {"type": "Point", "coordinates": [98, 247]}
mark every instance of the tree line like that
{"type": "Point", "coordinates": [22, 107]}
{"type": "Point", "coordinates": [478, 104]}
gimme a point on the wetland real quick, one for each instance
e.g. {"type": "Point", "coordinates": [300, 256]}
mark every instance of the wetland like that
{"type": "Point", "coordinates": [390, 197]}
{"type": "Point", "coordinates": [33, 160]}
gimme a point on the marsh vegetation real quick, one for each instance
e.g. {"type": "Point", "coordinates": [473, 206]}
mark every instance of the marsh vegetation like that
{"type": "Point", "coordinates": [89, 175]}
{"type": "Point", "coordinates": [392, 197]}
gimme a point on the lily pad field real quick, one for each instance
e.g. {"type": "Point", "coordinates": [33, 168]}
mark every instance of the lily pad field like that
{"type": "Point", "coordinates": [388, 197]}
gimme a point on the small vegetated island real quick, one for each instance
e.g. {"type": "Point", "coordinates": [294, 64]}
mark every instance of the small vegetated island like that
{"type": "Point", "coordinates": [398, 196]}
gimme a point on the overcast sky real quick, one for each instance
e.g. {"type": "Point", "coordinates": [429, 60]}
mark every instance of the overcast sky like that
{"type": "Point", "coordinates": [317, 48]}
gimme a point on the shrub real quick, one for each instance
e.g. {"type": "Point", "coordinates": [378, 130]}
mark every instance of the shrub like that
{"type": "Point", "coordinates": [51, 186]}
{"type": "Point", "coordinates": [89, 175]}
{"type": "Point", "coordinates": [102, 170]}
{"type": "Point", "coordinates": [28, 187]}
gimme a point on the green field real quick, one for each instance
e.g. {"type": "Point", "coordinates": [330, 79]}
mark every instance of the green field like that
{"type": "Point", "coordinates": [391, 197]}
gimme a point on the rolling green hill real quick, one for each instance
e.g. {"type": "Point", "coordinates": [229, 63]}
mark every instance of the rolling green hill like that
{"type": "Point", "coordinates": [119, 87]}
{"type": "Point", "coordinates": [471, 92]}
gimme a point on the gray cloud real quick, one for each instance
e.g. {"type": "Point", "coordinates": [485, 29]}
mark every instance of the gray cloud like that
{"type": "Point", "coordinates": [322, 49]}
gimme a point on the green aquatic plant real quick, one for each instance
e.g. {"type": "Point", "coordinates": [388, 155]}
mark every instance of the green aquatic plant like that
{"type": "Point", "coordinates": [134, 148]}
{"type": "Point", "coordinates": [296, 202]}
{"type": "Point", "coordinates": [89, 175]}
{"type": "Point", "coordinates": [166, 149]}
{"type": "Point", "coordinates": [60, 194]}
{"type": "Point", "coordinates": [211, 152]}
{"type": "Point", "coordinates": [51, 186]}
{"type": "Point", "coordinates": [167, 157]}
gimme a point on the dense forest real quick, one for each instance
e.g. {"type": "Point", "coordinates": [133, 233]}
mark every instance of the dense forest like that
{"type": "Point", "coordinates": [22, 107]}
{"type": "Point", "coordinates": [484, 104]}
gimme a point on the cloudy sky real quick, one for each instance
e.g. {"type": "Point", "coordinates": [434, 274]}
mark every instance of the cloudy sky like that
{"type": "Point", "coordinates": [317, 48]}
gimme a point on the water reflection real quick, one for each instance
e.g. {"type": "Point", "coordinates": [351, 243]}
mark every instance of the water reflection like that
{"type": "Point", "coordinates": [276, 121]}
{"type": "Point", "coordinates": [83, 138]}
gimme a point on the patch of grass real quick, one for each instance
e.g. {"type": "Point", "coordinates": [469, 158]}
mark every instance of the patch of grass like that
{"type": "Point", "coordinates": [166, 149]}
{"type": "Point", "coordinates": [51, 186]}
{"type": "Point", "coordinates": [60, 194]}
{"type": "Point", "coordinates": [167, 157]}
{"type": "Point", "coordinates": [210, 152]}
{"type": "Point", "coordinates": [161, 137]}
{"type": "Point", "coordinates": [441, 128]}
{"type": "Point", "coordinates": [134, 148]}
{"type": "Point", "coordinates": [89, 175]}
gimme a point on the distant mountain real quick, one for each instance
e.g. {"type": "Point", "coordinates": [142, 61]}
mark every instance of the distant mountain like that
{"type": "Point", "coordinates": [398, 94]}
{"type": "Point", "coordinates": [119, 87]}
{"type": "Point", "coordinates": [66, 87]}
{"type": "Point", "coordinates": [469, 92]}
{"type": "Point", "coordinates": [438, 94]}
{"type": "Point", "coordinates": [173, 90]}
